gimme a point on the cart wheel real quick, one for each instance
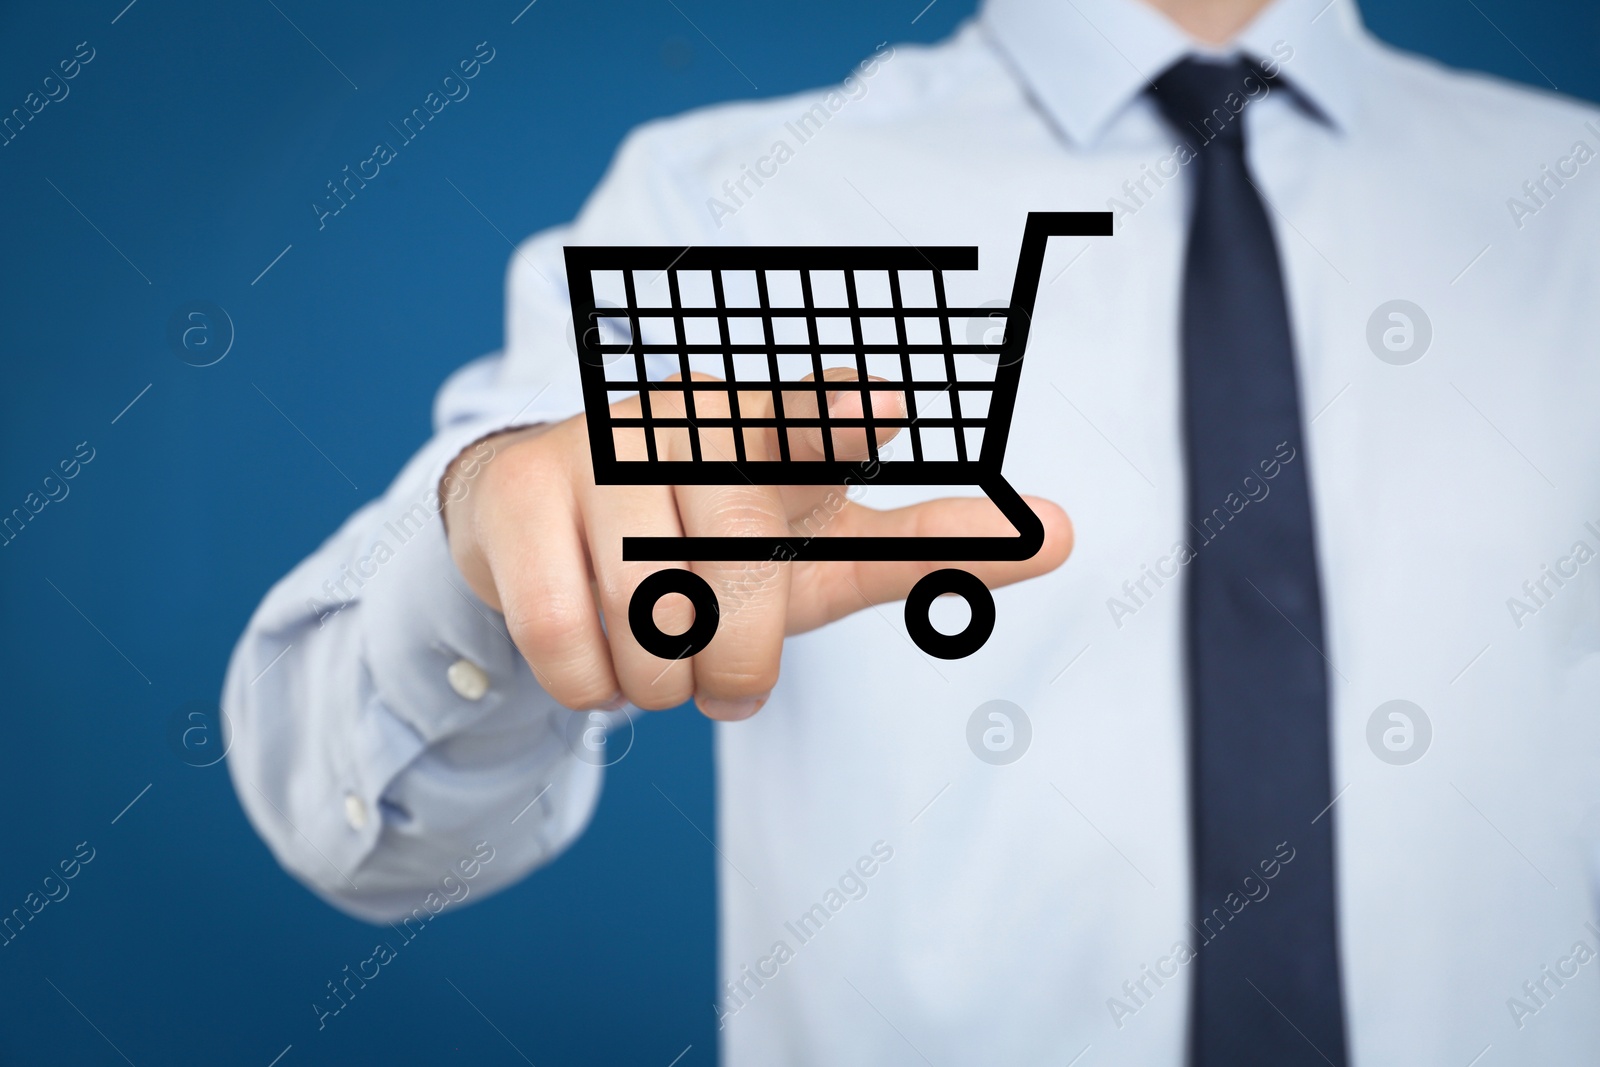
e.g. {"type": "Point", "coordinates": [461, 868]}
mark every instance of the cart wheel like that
{"type": "Point", "coordinates": [641, 614]}
{"type": "Point", "coordinates": [968, 588]}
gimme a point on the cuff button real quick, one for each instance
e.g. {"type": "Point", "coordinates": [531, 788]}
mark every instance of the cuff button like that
{"type": "Point", "coordinates": [468, 679]}
{"type": "Point", "coordinates": [355, 811]}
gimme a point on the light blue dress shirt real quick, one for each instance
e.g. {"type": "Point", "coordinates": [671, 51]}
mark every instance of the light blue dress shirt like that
{"type": "Point", "coordinates": [894, 891]}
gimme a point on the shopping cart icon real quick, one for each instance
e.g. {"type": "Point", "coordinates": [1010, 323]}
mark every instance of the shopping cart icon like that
{"type": "Point", "coordinates": [775, 321]}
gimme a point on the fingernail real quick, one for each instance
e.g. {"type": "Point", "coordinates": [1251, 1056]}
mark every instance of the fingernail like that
{"type": "Point", "coordinates": [731, 710]}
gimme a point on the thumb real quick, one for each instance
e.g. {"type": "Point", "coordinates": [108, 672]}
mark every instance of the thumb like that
{"type": "Point", "coordinates": [826, 591]}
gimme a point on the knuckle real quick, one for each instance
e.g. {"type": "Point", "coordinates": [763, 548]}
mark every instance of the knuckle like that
{"type": "Point", "coordinates": [751, 594]}
{"type": "Point", "coordinates": [523, 469]}
{"type": "Point", "coordinates": [579, 694]}
{"type": "Point", "coordinates": [656, 690]}
{"type": "Point", "coordinates": [738, 513]}
{"type": "Point", "coordinates": [616, 586]}
{"type": "Point", "coordinates": [553, 623]}
{"type": "Point", "coordinates": [674, 614]}
{"type": "Point", "coordinates": [660, 696]}
{"type": "Point", "coordinates": [749, 679]}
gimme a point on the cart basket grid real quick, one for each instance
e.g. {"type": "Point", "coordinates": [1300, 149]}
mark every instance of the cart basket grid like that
{"type": "Point", "coordinates": [771, 322]}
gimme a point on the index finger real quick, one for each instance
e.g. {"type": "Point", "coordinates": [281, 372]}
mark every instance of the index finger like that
{"type": "Point", "coordinates": [829, 419]}
{"type": "Point", "coordinates": [734, 673]}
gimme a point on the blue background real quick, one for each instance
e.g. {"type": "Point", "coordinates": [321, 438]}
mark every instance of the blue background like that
{"type": "Point", "coordinates": [194, 141]}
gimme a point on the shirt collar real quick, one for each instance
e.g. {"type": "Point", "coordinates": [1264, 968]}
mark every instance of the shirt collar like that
{"type": "Point", "coordinates": [1085, 60]}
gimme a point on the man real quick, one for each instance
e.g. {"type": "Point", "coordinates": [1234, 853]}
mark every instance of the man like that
{"type": "Point", "coordinates": [1322, 411]}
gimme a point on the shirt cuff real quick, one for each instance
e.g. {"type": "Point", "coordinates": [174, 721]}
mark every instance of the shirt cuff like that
{"type": "Point", "coordinates": [437, 656]}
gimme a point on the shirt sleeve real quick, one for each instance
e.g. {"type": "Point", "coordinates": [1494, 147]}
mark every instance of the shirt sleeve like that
{"type": "Point", "coordinates": [384, 728]}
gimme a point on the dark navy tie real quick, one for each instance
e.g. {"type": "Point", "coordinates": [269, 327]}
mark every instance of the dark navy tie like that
{"type": "Point", "coordinates": [1266, 970]}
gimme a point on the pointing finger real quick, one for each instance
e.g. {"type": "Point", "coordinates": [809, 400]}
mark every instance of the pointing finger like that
{"type": "Point", "coordinates": [847, 408]}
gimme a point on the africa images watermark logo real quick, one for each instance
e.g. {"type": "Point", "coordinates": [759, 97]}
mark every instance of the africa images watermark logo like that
{"type": "Point", "coordinates": [740, 990]}
{"type": "Point", "coordinates": [1539, 191]}
{"type": "Point", "coordinates": [452, 888]}
{"type": "Point", "coordinates": [1138, 992]}
{"type": "Point", "coordinates": [54, 88]}
{"type": "Point", "coordinates": [1539, 991]}
{"type": "Point", "coordinates": [1540, 590]}
{"type": "Point", "coordinates": [200, 332]}
{"type": "Point", "coordinates": [1399, 332]}
{"type": "Point", "coordinates": [453, 88]}
{"type": "Point", "coordinates": [1140, 190]}
{"type": "Point", "coordinates": [1399, 732]}
{"type": "Point", "coordinates": [1137, 592]}
{"type": "Point", "coordinates": [737, 192]}
{"type": "Point", "coordinates": [999, 732]}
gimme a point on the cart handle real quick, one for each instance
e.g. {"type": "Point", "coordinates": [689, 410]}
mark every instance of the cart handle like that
{"type": "Point", "coordinates": [1041, 226]}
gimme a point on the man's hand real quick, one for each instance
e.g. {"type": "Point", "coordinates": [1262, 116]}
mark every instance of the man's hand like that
{"type": "Point", "coordinates": [537, 540]}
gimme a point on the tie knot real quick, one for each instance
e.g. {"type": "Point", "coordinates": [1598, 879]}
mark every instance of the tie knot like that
{"type": "Point", "coordinates": [1205, 99]}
